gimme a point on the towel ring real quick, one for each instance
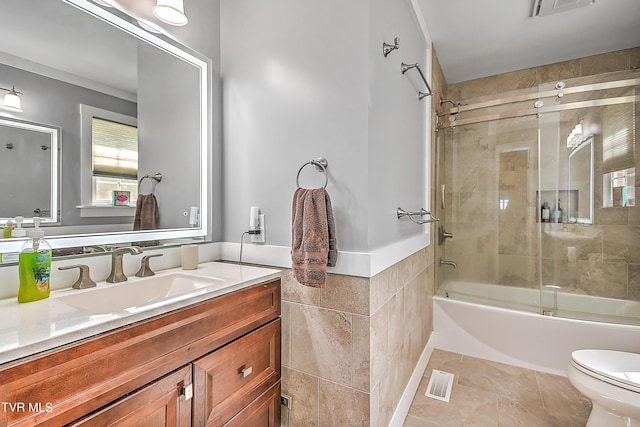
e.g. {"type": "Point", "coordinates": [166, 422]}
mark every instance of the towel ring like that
{"type": "Point", "coordinates": [156, 178]}
{"type": "Point", "coordinates": [321, 166]}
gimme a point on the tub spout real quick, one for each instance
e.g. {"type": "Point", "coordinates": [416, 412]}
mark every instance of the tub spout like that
{"type": "Point", "coordinates": [444, 262]}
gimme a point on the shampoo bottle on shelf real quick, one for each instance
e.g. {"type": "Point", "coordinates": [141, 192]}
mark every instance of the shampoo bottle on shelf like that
{"type": "Point", "coordinates": [34, 266]}
{"type": "Point", "coordinates": [545, 213]}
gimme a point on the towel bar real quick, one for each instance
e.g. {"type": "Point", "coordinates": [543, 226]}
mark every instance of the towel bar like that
{"type": "Point", "coordinates": [401, 212]}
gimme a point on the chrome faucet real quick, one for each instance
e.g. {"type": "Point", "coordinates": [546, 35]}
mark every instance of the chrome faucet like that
{"type": "Point", "coordinates": [117, 274]}
{"type": "Point", "coordinates": [451, 263]}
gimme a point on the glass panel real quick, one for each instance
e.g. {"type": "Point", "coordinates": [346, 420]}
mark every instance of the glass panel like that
{"type": "Point", "coordinates": [540, 199]}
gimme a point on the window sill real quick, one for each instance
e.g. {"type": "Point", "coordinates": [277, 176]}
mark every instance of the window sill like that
{"type": "Point", "coordinates": [92, 211]}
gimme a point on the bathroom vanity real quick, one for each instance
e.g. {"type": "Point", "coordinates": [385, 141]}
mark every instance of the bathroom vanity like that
{"type": "Point", "coordinates": [209, 356]}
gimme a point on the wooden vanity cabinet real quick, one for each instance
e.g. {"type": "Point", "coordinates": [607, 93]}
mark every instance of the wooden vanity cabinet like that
{"type": "Point", "coordinates": [213, 363]}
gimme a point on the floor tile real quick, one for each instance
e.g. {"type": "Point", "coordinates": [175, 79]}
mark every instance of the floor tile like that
{"type": "Point", "coordinates": [467, 407]}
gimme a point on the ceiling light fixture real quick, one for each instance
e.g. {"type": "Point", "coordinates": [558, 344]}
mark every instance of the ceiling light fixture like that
{"type": "Point", "coordinates": [12, 100]}
{"type": "Point", "coordinates": [170, 12]}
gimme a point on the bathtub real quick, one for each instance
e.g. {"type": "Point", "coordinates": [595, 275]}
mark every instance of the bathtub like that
{"type": "Point", "coordinates": [511, 330]}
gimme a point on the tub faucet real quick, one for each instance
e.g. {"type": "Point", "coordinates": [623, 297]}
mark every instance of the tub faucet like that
{"type": "Point", "coordinates": [117, 273]}
{"type": "Point", "coordinates": [451, 263]}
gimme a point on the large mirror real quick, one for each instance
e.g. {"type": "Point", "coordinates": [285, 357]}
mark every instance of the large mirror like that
{"type": "Point", "coordinates": [124, 114]}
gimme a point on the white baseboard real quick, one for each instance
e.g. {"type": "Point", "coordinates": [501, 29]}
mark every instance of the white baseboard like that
{"type": "Point", "coordinates": [402, 410]}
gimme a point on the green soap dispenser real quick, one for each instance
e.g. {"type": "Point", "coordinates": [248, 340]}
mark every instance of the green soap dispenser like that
{"type": "Point", "coordinates": [34, 266]}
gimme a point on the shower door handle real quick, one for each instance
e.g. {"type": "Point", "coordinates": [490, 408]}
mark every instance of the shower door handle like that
{"type": "Point", "coordinates": [443, 197]}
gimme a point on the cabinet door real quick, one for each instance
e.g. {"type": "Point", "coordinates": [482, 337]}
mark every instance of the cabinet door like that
{"type": "Point", "coordinates": [263, 412]}
{"type": "Point", "coordinates": [231, 378]}
{"type": "Point", "coordinates": [161, 403]}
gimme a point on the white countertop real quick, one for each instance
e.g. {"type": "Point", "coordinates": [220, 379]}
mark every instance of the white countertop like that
{"type": "Point", "coordinates": [33, 327]}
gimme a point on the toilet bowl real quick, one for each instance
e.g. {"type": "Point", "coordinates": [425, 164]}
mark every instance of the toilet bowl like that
{"type": "Point", "coordinates": [611, 379]}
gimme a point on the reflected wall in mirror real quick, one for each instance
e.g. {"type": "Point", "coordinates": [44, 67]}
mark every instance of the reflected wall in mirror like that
{"type": "Point", "coordinates": [49, 51]}
{"type": "Point", "coordinates": [29, 169]}
{"type": "Point", "coordinates": [581, 183]}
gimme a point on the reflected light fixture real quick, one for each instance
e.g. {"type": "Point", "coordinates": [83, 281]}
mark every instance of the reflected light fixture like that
{"type": "Point", "coordinates": [12, 100]}
{"type": "Point", "coordinates": [103, 3]}
{"type": "Point", "coordinates": [575, 137]}
{"type": "Point", "coordinates": [170, 12]}
{"type": "Point", "coordinates": [149, 26]}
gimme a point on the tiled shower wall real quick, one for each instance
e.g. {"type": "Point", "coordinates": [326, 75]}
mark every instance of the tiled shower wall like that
{"type": "Point", "coordinates": [349, 349]}
{"type": "Point", "coordinates": [503, 246]}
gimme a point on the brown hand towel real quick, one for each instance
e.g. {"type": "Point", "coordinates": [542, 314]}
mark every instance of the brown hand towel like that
{"type": "Point", "coordinates": [313, 245]}
{"type": "Point", "coordinates": [147, 216]}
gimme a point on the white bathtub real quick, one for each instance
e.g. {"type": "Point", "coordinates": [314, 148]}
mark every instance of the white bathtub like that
{"type": "Point", "coordinates": [527, 338]}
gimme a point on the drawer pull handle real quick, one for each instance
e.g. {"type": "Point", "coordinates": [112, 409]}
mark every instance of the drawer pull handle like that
{"type": "Point", "coordinates": [246, 371]}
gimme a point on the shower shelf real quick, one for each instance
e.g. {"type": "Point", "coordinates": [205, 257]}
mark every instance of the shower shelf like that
{"type": "Point", "coordinates": [406, 67]}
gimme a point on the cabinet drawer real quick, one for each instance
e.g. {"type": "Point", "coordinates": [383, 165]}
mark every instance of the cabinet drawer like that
{"type": "Point", "coordinates": [158, 404]}
{"type": "Point", "coordinates": [232, 377]}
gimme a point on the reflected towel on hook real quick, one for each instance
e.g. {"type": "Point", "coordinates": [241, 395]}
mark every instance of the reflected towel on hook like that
{"type": "Point", "coordinates": [313, 245]}
{"type": "Point", "coordinates": [147, 216]}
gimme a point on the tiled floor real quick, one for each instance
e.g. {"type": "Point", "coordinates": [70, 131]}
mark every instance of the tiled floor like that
{"type": "Point", "coordinates": [490, 394]}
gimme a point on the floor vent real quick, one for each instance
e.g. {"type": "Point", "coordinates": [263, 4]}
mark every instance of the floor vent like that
{"type": "Point", "coordinates": [440, 385]}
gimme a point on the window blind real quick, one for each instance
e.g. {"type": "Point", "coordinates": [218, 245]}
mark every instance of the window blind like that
{"type": "Point", "coordinates": [115, 149]}
{"type": "Point", "coordinates": [618, 137]}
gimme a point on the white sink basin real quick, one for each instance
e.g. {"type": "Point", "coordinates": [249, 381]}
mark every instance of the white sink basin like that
{"type": "Point", "coordinates": [143, 292]}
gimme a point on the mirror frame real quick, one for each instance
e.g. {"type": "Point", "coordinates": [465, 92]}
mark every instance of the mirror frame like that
{"type": "Point", "coordinates": [54, 135]}
{"type": "Point", "coordinates": [182, 53]}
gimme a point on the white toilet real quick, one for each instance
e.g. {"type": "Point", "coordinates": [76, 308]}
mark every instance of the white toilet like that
{"type": "Point", "coordinates": [611, 379]}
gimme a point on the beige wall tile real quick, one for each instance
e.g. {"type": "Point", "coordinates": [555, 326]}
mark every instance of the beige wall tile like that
{"type": "Point", "coordinates": [346, 293]}
{"type": "Point", "coordinates": [605, 63]}
{"type": "Point", "coordinates": [321, 343]}
{"type": "Point", "coordinates": [295, 292]}
{"type": "Point", "coordinates": [392, 384]}
{"type": "Point", "coordinates": [521, 79]}
{"type": "Point", "coordinates": [621, 243]}
{"type": "Point", "coordinates": [380, 354]}
{"type": "Point", "coordinates": [304, 390]}
{"type": "Point", "coordinates": [396, 322]}
{"type": "Point", "coordinates": [361, 352]}
{"type": "Point", "coordinates": [286, 333]}
{"type": "Point", "coordinates": [383, 285]}
{"type": "Point", "coordinates": [634, 58]}
{"type": "Point", "coordinates": [559, 71]}
{"type": "Point", "coordinates": [342, 406]}
{"type": "Point", "coordinates": [634, 282]}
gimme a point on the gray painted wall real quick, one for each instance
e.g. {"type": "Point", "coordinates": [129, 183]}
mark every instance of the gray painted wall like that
{"type": "Point", "coordinates": [25, 171]}
{"type": "Point", "coordinates": [56, 103]}
{"type": "Point", "coordinates": [310, 80]}
{"type": "Point", "coordinates": [169, 133]}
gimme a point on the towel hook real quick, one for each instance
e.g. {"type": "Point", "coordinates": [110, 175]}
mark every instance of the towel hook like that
{"type": "Point", "coordinates": [321, 165]}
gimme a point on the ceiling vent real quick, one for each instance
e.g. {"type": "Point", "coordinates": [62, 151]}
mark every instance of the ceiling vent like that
{"type": "Point", "coordinates": [551, 7]}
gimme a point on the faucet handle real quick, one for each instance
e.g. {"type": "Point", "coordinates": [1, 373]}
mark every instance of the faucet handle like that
{"type": "Point", "coordinates": [145, 269]}
{"type": "Point", "coordinates": [84, 280]}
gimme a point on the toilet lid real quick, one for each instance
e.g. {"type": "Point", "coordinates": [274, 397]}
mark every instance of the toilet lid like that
{"type": "Point", "coordinates": [614, 367]}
